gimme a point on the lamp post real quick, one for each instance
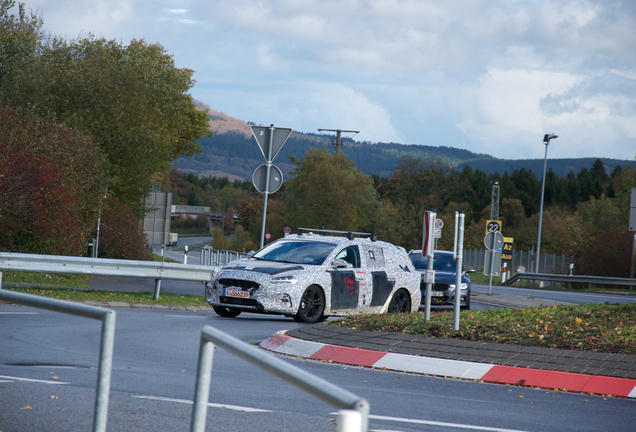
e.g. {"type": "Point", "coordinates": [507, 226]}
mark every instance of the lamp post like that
{"type": "Point", "coordinates": [546, 141]}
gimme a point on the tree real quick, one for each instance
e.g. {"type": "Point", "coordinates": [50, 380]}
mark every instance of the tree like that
{"type": "Point", "coordinates": [606, 243]}
{"type": "Point", "coordinates": [415, 186]}
{"type": "Point", "coordinates": [131, 99]}
{"type": "Point", "coordinates": [20, 37]}
{"type": "Point", "coordinates": [52, 180]}
{"type": "Point", "coordinates": [327, 190]}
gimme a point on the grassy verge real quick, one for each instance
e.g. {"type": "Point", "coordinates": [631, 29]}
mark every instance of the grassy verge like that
{"type": "Point", "coordinates": [592, 327]}
{"type": "Point", "coordinates": [115, 296]}
{"type": "Point", "coordinates": [44, 279]}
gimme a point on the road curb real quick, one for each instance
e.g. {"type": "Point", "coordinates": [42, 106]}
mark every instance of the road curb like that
{"type": "Point", "coordinates": [554, 380]}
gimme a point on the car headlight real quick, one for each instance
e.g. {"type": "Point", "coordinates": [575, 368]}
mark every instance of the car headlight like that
{"type": "Point", "coordinates": [285, 279]}
{"type": "Point", "coordinates": [462, 286]}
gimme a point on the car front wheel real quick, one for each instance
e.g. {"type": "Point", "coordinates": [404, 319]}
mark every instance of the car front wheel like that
{"type": "Point", "coordinates": [401, 302]}
{"type": "Point", "coordinates": [312, 305]}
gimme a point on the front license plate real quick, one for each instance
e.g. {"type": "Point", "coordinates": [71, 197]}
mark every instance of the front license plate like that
{"type": "Point", "coordinates": [437, 293]}
{"type": "Point", "coordinates": [236, 293]}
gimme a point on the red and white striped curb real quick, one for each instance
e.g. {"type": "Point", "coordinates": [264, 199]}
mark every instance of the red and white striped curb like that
{"type": "Point", "coordinates": [283, 344]}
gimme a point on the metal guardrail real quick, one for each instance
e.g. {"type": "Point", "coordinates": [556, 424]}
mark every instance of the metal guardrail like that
{"type": "Point", "coordinates": [104, 267]}
{"type": "Point", "coordinates": [340, 398]}
{"type": "Point", "coordinates": [591, 280]}
{"type": "Point", "coordinates": [218, 258]}
{"type": "Point", "coordinates": [107, 316]}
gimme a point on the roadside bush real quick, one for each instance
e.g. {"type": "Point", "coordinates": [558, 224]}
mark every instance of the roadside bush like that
{"type": "Point", "coordinates": [121, 236]}
{"type": "Point", "coordinates": [51, 182]}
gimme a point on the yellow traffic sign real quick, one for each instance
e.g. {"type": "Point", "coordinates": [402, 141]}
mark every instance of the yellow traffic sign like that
{"type": "Point", "coordinates": [493, 226]}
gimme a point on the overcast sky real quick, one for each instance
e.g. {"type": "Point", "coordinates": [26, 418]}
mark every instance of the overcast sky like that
{"type": "Point", "coordinates": [490, 76]}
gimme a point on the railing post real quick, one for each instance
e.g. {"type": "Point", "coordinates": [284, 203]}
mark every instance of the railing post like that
{"type": "Point", "coordinates": [202, 386]}
{"type": "Point", "coordinates": [348, 421]}
{"type": "Point", "coordinates": [105, 368]}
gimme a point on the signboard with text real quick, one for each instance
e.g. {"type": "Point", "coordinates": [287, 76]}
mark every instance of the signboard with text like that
{"type": "Point", "coordinates": [506, 253]}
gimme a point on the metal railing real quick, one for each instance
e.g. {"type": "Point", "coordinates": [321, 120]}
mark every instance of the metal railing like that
{"type": "Point", "coordinates": [548, 263]}
{"type": "Point", "coordinates": [107, 316]}
{"type": "Point", "coordinates": [217, 258]}
{"type": "Point", "coordinates": [340, 398]}
{"type": "Point", "coordinates": [56, 264]}
{"type": "Point", "coordinates": [590, 280]}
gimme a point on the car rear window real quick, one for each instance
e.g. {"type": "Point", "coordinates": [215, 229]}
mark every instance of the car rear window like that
{"type": "Point", "coordinates": [440, 263]}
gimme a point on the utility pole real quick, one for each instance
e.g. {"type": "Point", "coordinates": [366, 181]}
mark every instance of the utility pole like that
{"type": "Point", "coordinates": [338, 142]}
{"type": "Point", "coordinates": [494, 201]}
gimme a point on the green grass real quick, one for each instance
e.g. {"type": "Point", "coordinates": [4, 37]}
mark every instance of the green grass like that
{"type": "Point", "coordinates": [114, 296]}
{"type": "Point", "coordinates": [45, 279]}
{"type": "Point", "coordinates": [592, 327]}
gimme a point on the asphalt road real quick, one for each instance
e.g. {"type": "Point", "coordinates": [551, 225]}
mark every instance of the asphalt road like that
{"type": "Point", "coordinates": [154, 367]}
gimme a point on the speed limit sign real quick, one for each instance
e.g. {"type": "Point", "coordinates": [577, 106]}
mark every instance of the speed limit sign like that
{"type": "Point", "coordinates": [493, 226]}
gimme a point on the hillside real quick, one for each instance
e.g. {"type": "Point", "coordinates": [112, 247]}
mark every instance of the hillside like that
{"type": "Point", "coordinates": [232, 152]}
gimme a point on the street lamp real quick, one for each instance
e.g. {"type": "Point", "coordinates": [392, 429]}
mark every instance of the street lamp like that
{"type": "Point", "coordinates": [546, 141]}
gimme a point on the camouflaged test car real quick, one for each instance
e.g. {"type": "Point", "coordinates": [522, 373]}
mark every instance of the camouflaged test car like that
{"type": "Point", "coordinates": [310, 276]}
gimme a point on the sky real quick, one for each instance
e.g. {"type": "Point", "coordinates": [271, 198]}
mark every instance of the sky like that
{"type": "Point", "coordinates": [490, 76]}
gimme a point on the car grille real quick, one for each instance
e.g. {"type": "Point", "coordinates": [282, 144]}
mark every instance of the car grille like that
{"type": "Point", "coordinates": [238, 283]}
{"type": "Point", "coordinates": [239, 301]}
{"type": "Point", "coordinates": [436, 287]}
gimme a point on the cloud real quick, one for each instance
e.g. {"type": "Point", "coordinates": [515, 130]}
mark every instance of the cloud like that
{"type": "Point", "coordinates": [486, 75]}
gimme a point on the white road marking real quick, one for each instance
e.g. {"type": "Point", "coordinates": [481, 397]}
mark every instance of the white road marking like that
{"type": "Point", "coordinates": [434, 423]}
{"type": "Point", "coordinates": [185, 401]}
{"type": "Point", "coordinates": [10, 378]}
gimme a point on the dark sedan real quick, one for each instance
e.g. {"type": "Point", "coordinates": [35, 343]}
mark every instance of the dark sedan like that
{"type": "Point", "coordinates": [443, 293]}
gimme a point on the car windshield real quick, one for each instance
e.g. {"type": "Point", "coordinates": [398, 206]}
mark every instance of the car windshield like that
{"type": "Point", "coordinates": [296, 252]}
{"type": "Point", "coordinates": [440, 263]}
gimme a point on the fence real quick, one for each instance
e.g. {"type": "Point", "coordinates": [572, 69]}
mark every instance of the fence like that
{"type": "Point", "coordinates": [107, 316]}
{"type": "Point", "coordinates": [548, 263]}
{"type": "Point", "coordinates": [340, 398]}
{"type": "Point", "coordinates": [218, 258]}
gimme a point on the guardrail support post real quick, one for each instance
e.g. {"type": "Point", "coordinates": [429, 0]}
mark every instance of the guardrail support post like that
{"type": "Point", "coordinates": [155, 294]}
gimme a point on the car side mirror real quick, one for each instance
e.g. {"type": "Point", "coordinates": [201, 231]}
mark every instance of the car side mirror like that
{"type": "Point", "coordinates": [338, 263]}
{"type": "Point", "coordinates": [470, 269]}
{"type": "Point", "coordinates": [250, 254]}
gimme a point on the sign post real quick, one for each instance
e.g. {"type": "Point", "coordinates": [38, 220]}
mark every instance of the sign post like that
{"type": "Point", "coordinates": [632, 227]}
{"type": "Point", "coordinates": [428, 240]}
{"type": "Point", "coordinates": [493, 241]}
{"type": "Point", "coordinates": [270, 140]}
{"type": "Point", "coordinates": [458, 254]}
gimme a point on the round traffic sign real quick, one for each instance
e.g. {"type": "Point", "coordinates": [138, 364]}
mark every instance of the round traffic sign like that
{"type": "Point", "coordinates": [439, 224]}
{"type": "Point", "coordinates": [268, 236]}
{"type": "Point", "coordinates": [287, 230]}
{"type": "Point", "coordinates": [494, 241]}
{"type": "Point", "coordinates": [259, 178]}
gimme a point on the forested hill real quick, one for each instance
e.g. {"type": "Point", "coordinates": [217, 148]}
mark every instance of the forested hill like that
{"type": "Point", "coordinates": [235, 154]}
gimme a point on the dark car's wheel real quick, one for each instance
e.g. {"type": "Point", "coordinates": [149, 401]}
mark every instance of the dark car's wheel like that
{"type": "Point", "coordinates": [401, 302]}
{"type": "Point", "coordinates": [312, 305]}
{"type": "Point", "coordinates": [226, 312]}
{"type": "Point", "coordinates": [467, 307]}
